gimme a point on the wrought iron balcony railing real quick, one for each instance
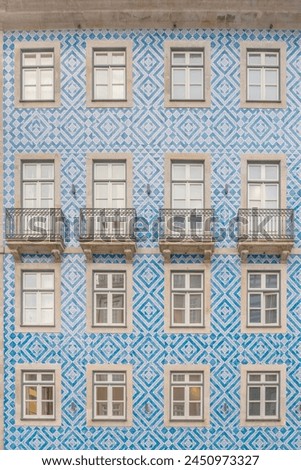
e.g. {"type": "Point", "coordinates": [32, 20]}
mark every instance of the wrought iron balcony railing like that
{"type": "Point", "coordinates": [107, 224]}
{"type": "Point", "coordinates": [187, 224]}
{"type": "Point", "coordinates": [265, 224]}
{"type": "Point", "coordinates": [34, 224]}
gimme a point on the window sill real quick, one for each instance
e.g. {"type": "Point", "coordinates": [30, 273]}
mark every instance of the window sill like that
{"type": "Point", "coordinates": [37, 104]}
{"type": "Point", "coordinates": [168, 103]}
{"type": "Point", "coordinates": [263, 104]}
{"type": "Point", "coordinates": [109, 104]}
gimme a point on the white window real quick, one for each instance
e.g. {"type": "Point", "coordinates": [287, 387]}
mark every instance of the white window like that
{"type": "Point", "coordinates": [109, 185]}
{"type": "Point", "coordinates": [37, 75]}
{"type": "Point", "coordinates": [109, 299]}
{"type": "Point", "coordinates": [109, 392]}
{"type": "Point", "coordinates": [187, 75]}
{"type": "Point", "coordinates": [187, 390]}
{"type": "Point", "coordinates": [263, 298]}
{"type": "Point", "coordinates": [38, 298]}
{"type": "Point", "coordinates": [38, 394]}
{"type": "Point", "coordinates": [109, 75]}
{"type": "Point", "coordinates": [263, 395]}
{"type": "Point", "coordinates": [263, 75]}
{"type": "Point", "coordinates": [187, 185]}
{"type": "Point", "coordinates": [263, 185]}
{"type": "Point", "coordinates": [38, 185]}
{"type": "Point", "coordinates": [187, 298]}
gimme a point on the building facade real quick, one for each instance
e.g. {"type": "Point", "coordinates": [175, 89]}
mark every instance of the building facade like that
{"type": "Point", "coordinates": [151, 264]}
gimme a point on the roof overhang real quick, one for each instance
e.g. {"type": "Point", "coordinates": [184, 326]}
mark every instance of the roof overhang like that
{"type": "Point", "coordinates": [125, 14]}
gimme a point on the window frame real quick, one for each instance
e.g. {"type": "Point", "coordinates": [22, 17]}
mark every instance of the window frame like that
{"type": "Point", "coordinates": [280, 268]}
{"type": "Point", "coordinates": [264, 158]}
{"type": "Point", "coordinates": [20, 369]}
{"type": "Point", "coordinates": [246, 369]}
{"type": "Point", "coordinates": [36, 47]}
{"type": "Point", "coordinates": [125, 268]}
{"type": "Point", "coordinates": [127, 369]}
{"type": "Point", "coordinates": [187, 46]}
{"type": "Point", "coordinates": [20, 159]}
{"type": "Point", "coordinates": [110, 291]}
{"type": "Point", "coordinates": [20, 268]}
{"type": "Point", "coordinates": [169, 269]}
{"type": "Point", "coordinates": [169, 369]}
{"type": "Point", "coordinates": [104, 157]}
{"type": "Point", "coordinates": [108, 46]}
{"type": "Point", "coordinates": [262, 46]}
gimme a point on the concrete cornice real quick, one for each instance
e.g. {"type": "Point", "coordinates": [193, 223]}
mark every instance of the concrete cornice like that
{"type": "Point", "coordinates": [125, 14]}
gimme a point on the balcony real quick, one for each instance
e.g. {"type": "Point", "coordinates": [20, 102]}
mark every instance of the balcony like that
{"type": "Point", "coordinates": [265, 231]}
{"type": "Point", "coordinates": [186, 231]}
{"type": "Point", "coordinates": [107, 231]}
{"type": "Point", "coordinates": [35, 231]}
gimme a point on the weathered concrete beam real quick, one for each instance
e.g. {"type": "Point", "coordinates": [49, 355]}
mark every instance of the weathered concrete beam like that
{"type": "Point", "coordinates": [124, 14]}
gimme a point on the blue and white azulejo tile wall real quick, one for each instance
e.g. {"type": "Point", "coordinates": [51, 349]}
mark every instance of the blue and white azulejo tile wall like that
{"type": "Point", "coordinates": [148, 130]}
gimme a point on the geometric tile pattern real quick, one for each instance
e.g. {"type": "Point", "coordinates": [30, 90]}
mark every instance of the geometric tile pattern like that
{"type": "Point", "coordinates": [148, 130]}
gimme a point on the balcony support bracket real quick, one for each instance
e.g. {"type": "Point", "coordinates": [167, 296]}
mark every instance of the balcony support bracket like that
{"type": "Point", "coordinates": [57, 256]}
{"type": "Point", "coordinates": [128, 253]}
{"type": "Point", "coordinates": [244, 255]}
{"type": "Point", "coordinates": [89, 255]}
{"type": "Point", "coordinates": [166, 255]}
{"type": "Point", "coordinates": [17, 255]}
{"type": "Point", "coordinates": [207, 256]}
{"type": "Point", "coordinates": [284, 255]}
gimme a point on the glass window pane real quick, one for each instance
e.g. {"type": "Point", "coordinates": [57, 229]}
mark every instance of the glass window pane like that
{"type": "Point", "coordinates": [254, 409]}
{"type": "Point", "coordinates": [179, 300]}
{"type": "Point", "coordinates": [29, 171]}
{"type": "Point", "coordinates": [118, 171]}
{"type": "Point", "coordinates": [196, 92]}
{"type": "Point", "coordinates": [254, 58]}
{"type": "Point", "coordinates": [101, 171]}
{"type": "Point", "coordinates": [270, 393]}
{"type": "Point", "coordinates": [101, 409]}
{"type": "Point", "coordinates": [118, 300]}
{"type": "Point", "coordinates": [118, 281]}
{"type": "Point", "coordinates": [196, 281]}
{"type": "Point", "coordinates": [30, 300]}
{"type": "Point", "coordinates": [178, 92]}
{"type": "Point", "coordinates": [178, 316]}
{"type": "Point", "coordinates": [31, 408]}
{"type": "Point", "coordinates": [101, 280]}
{"type": "Point", "coordinates": [254, 77]}
{"type": "Point", "coordinates": [101, 76]}
{"type": "Point", "coordinates": [194, 409]}
{"type": "Point", "coordinates": [255, 316]}
{"type": "Point", "coordinates": [271, 409]}
{"type": "Point", "coordinates": [271, 281]}
{"type": "Point", "coordinates": [118, 58]}
{"type": "Point", "coordinates": [194, 393]}
{"type": "Point", "coordinates": [196, 172]}
{"type": "Point", "coordinates": [47, 300]}
{"type": "Point", "coordinates": [271, 172]}
{"type": "Point", "coordinates": [178, 393]}
{"type": "Point", "coordinates": [29, 280]}
{"type": "Point", "coordinates": [31, 393]}
{"type": "Point", "coordinates": [271, 192]}
{"type": "Point", "coordinates": [178, 58]}
{"type": "Point", "coordinates": [271, 317]}
{"type": "Point", "coordinates": [118, 393]}
{"type": "Point", "coordinates": [100, 58]}
{"type": "Point", "coordinates": [254, 92]}
{"type": "Point", "coordinates": [117, 409]}
{"type": "Point", "coordinates": [101, 393]}
{"type": "Point", "coordinates": [271, 77]}
{"type": "Point", "coordinates": [118, 92]}
{"type": "Point", "coordinates": [255, 281]}
{"type": "Point", "coordinates": [195, 300]}
{"type": "Point", "coordinates": [196, 58]}
{"type": "Point", "coordinates": [47, 393]}
{"type": "Point", "coordinates": [196, 77]}
{"type": "Point", "coordinates": [179, 281]}
{"type": "Point", "coordinates": [178, 409]}
{"type": "Point", "coordinates": [255, 300]}
{"type": "Point", "coordinates": [271, 301]}
{"type": "Point", "coordinates": [271, 93]}
{"type": "Point", "coordinates": [101, 316]}
{"type": "Point", "coordinates": [254, 393]}
{"type": "Point", "coordinates": [178, 172]}
{"type": "Point", "coordinates": [271, 377]}
{"type": "Point", "coordinates": [101, 300]}
{"type": "Point", "coordinates": [29, 59]}
{"type": "Point", "coordinates": [46, 78]}
{"type": "Point", "coordinates": [47, 281]}
{"type": "Point", "coordinates": [30, 77]}
{"type": "Point", "coordinates": [254, 172]}
{"type": "Point", "coordinates": [47, 409]}
{"type": "Point", "coordinates": [46, 58]}
{"type": "Point", "coordinates": [118, 77]}
{"type": "Point", "coordinates": [271, 59]}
